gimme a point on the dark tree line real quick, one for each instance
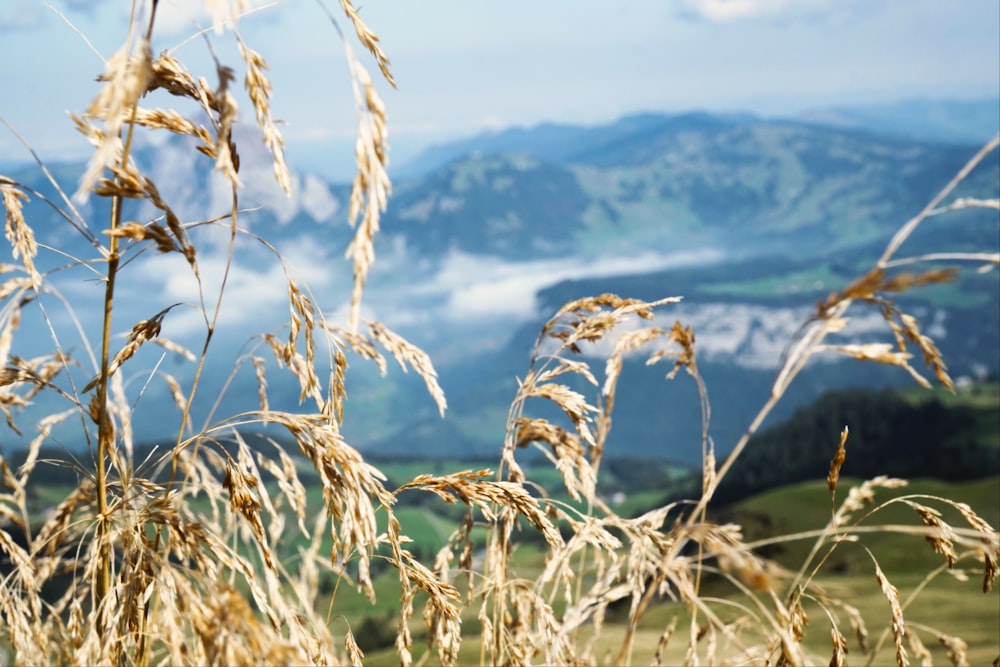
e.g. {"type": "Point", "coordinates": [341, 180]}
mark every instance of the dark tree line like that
{"type": "Point", "coordinates": [888, 436]}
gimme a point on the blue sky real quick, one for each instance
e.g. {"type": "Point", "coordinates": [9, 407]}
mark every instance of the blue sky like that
{"type": "Point", "coordinates": [467, 66]}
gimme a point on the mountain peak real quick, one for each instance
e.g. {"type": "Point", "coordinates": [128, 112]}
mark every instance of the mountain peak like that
{"type": "Point", "coordinates": [941, 121]}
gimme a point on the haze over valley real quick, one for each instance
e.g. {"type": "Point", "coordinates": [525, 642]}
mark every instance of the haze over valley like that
{"type": "Point", "coordinates": [751, 220]}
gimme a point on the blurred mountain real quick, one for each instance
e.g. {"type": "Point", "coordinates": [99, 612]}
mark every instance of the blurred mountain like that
{"type": "Point", "coordinates": [552, 142]}
{"type": "Point", "coordinates": [751, 220]}
{"type": "Point", "coordinates": [951, 121]}
{"type": "Point", "coordinates": [971, 121]}
{"type": "Point", "coordinates": [674, 182]}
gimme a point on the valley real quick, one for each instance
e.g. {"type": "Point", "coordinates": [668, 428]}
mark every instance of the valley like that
{"type": "Point", "coordinates": [751, 221]}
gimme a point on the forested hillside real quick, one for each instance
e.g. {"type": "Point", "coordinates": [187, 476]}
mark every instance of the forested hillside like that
{"type": "Point", "coordinates": [908, 434]}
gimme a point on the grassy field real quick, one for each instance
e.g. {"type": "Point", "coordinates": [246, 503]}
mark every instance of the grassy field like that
{"type": "Point", "coordinates": [946, 604]}
{"type": "Point", "coordinates": [816, 282]}
{"type": "Point", "coordinates": [805, 507]}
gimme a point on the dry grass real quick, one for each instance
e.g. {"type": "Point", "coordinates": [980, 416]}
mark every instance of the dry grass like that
{"type": "Point", "coordinates": [172, 560]}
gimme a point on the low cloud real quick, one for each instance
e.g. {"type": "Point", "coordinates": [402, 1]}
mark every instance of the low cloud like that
{"type": "Point", "coordinates": [256, 288]}
{"type": "Point", "coordinates": [476, 287]}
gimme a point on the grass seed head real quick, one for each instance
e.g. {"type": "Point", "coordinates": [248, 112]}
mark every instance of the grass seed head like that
{"type": "Point", "coordinates": [835, 464]}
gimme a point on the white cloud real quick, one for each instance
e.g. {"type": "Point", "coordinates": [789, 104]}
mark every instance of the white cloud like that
{"type": "Point", "coordinates": [479, 287]}
{"type": "Point", "coordinates": [20, 15]}
{"type": "Point", "coordinates": [730, 10]}
{"type": "Point", "coordinates": [316, 198]}
{"type": "Point", "coordinates": [182, 16]}
{"type": "Point", "coordinates": [256, 289]}
{"type": "Point", "coordinates": [493, 122]}
{"type": "Point", "coordinates": [315, 133]}
{"type": "Point", "coordinates": [723, 11]}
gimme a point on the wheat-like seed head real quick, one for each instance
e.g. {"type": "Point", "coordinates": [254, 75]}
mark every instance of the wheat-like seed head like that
{"type": "Point", "coordinates": [683, 337]}
{"type": "Point", "coordinates": [898, 625]}
{"type": "Point", "coordinates": [17, 231]}
{"type": "Point", "coordinates": [407, 354]}
{"type": "Point", "coordinates": [839, 641]}
{"type": "Point", "coordinates": [127, 76]}
{"type": "Point", "coordinates": [142, 331]}
{"type": "Point", "coordinates": [371, 186]}
{"type": "Point", "coordinates": [354, 652]}
{"type": "Point", "coordinates": [349, 487]}
{"type": "Point", "coordinates": [288, 482]}
{"type": "Point", "coordinates": [858, 625]}
{"type": "Point", "coordinates": [957, 649]}
{"type": "Point", "coordinates": [259, 88]}
{"type": "Point", "coordinates": [989, 547]}
{"type": "Point", "coordinates": [151, 231]}
{"type": "Point", "coordinates": [368, 39]}
{"type": "Point", "coordinates": [243, 500]}
{"type": "Point", "coordinates": [260, 373]}
{"type": "Point", "coordinates": [663, 641]}
{"type": "Point", "coordinates": [942, 537]}
{"type": "Point", "coordinates": [869, 289]}
{"type": "Point", "coordinates": [917, 647]}
{"type": "Point", "coordinates": [835, 464]}
{"type": "Point", "coordinates": [567, 454]}
{"type": "Point", "coordinates": [171, 120]}
{"type": "Point", "coordinates": [226, 159]}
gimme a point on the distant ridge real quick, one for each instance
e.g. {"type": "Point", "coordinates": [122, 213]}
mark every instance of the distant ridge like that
{"type": "Point", "coordinates": [562, 143]}
{"type": "Point", "coordinates": [946, 121]}
{"type": "Point", "coordinates": [951, 121]}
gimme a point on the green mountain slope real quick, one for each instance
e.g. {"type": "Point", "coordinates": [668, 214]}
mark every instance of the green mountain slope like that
{"type": "Point", "coordinates": [677, 182]}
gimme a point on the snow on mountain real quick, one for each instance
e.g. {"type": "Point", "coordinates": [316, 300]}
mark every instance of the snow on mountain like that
{"type": "Point", "coordinates": [188, 181]}
{"type": "Point", "coordinates": [754, 336]}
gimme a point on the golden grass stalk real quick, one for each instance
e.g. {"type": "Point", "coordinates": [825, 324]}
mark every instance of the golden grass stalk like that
{"type": "Point", "coordinates": [371, 186]}
{"type": "Point", "coordinates": [898, 625]}
{"type": "Point", "coordinates": [839, 657]}
{"type": "Point", "coordinates": [957, 649]}
{"type": "Point", "coordinates": [835, 464]}
{"type": "Point", "coordinates": [409, 355]}
{"type": "Point", "coordinates": [259, 88]}
{"type": "Point", "coordinates": [17, 231]}
{"type": "Point", "coordinates": [663, 641]}
{"type": "Point", "coordinates": [127, 76]}
{"type": "Point", "coordinates": [369, 40]}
